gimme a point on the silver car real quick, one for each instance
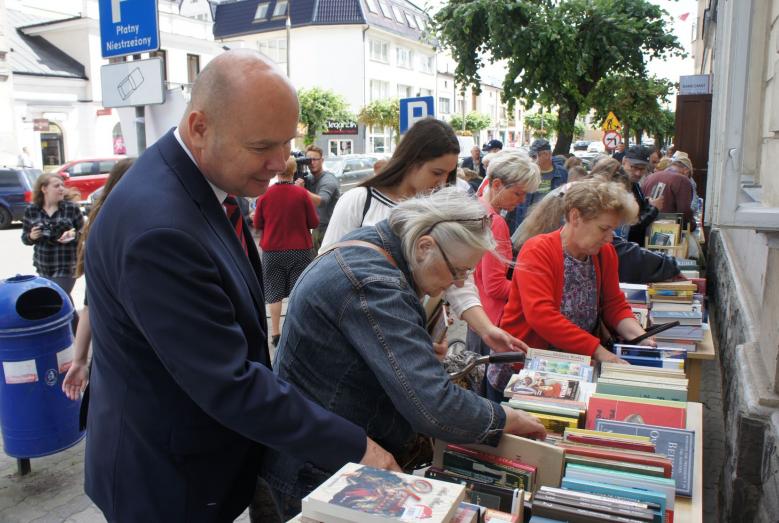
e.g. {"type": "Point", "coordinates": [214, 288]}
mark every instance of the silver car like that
{"type": "Point", "coordinates": [350, 169]}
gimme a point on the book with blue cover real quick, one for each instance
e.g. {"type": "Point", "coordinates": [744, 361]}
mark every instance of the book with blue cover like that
{"type": "Point", "coordinates": [653, 498]}
{"type": "Point", "coordinates": [677, 444]}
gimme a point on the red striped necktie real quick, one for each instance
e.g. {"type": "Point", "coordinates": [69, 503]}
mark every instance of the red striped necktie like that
{"type": "Point", "coordinates": [235, 216]}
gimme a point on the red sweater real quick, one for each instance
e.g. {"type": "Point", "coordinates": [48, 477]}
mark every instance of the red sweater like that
{"type": "Point", "coordinates": [285, 214]}
{"type": "Point", "coordinates": [490, 274]}
{"type": "Point", "coordinates": [532, 313]}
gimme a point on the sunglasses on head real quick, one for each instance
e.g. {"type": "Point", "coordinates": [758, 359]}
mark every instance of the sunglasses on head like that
{"type": "Point", "coordinates": [486, 221]}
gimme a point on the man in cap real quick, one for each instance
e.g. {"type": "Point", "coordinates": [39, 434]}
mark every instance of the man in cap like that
{"type": "Point", "coordinates": [552, 176]}
{"type": "Point", "coordinates": [493, 146]}
{"type": "Point", "coordinates": [635, 164]}
{"type": "Point", "coordinates": [675, 187]}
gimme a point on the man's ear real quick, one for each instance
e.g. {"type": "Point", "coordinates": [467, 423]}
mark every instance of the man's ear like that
{"type": "Point", "coordinates": [197, 126]}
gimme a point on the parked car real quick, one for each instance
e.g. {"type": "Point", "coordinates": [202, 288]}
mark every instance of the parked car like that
{"type": "Point", "coordinates": [86, 176]}
{"type": "Point", "coordinates": [350, 169]}
{"type": "Point", "coordinates": [580, 145]}
{"type": "Point", "coordinates": [15, 193]}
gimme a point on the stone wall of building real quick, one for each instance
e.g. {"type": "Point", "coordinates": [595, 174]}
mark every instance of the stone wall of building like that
{"type": "Point", "coordinates": [751, 470]}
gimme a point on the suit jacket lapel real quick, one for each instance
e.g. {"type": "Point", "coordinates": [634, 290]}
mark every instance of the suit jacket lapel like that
{"type": "Point", "coordinates": [197, 186]}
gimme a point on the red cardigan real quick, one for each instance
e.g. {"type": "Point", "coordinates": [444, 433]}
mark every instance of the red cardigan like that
{"type": "Point", "coordinates": [285, 214]}
{"type": "Point", "coordinates": [490, 275]}
{"type": "Point", "coordinates": [532, 313]}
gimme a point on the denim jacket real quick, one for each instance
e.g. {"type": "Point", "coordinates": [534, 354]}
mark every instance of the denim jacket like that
{"type": "Point", "coordinates": [354, 341]}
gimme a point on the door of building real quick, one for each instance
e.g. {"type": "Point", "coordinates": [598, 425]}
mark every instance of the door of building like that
{"type": "Point", "coordinates": [52, 148]}
{"type": "Point", "coordinates": [693, 122]}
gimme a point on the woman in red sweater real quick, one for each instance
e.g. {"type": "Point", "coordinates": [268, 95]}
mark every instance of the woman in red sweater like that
{"type": "Point", "coordinates": [284, 217]}
{"type": "Point", "coordinates": [510, 176]}
{"type": "Point", "coordinates": [567, 280]}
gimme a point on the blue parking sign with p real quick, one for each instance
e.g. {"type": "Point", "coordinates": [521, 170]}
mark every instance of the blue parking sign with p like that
{"type": "Point", "coordinates": [414, 109]}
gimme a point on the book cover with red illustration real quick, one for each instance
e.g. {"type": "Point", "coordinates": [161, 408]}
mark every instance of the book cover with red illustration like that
{"type": "Point", "coordinates": [636, 411]}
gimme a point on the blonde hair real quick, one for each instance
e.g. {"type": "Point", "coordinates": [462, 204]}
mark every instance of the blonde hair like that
{"type": "Point", "coordinates": [592, 197]}
{"type": "Point", "coordinates": [515, 168]}
{"type": "Point", "coordinates": [663, 164]}
{"type": "Point", "coordinates": [595, 197]}
{"type": "Point", "coordinates": [290, 167]}
{"type": "Point", "coordinates": [605, 166]}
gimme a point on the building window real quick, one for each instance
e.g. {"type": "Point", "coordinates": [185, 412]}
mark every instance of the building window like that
{"type": "Point", "coordinates": [275, 49]}
{"type": "Point", "coordinates": [164, 55]}
{"type": "Point", "coordinates": [372, 6]}
{"type": "Point", "coordinates": [380, 51]}
{"type": "Point", "coordinates": [193, 67]}
{"type": "Point", "coordinates": [379, 90]}
{"type": "Point", "coordinates": [425, 92]}
{"type": "Point", "coordinates": [379, 139]}
{"type": "Point", "coordinates": [261, 12]}
{"type": "Point", "coordinates": [426, 63]}
{"type": "Point", "coordinates": [405, 57]}
{"type": "Point", "coordinates": [405, 91]}
{"type": "Point", "coordinates": [280, 9]}
{"type": "Point", "coordinates": [444, 105]}
{"type": "Point", "coordinates": [385, 10]}
{"type": "Point", "coordinates": [420, 22]}
{"type": "Point", "coordinates": [410, 19]}
{"type": "Point", "coordinates": [340, 147]}
{"type": "Point", "coordinates": [461, 106]}
{"type": "Point", "coordinates": [398, 14]}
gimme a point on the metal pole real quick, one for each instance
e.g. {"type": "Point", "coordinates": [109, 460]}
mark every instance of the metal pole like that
{"type": "Point", "coordinates": [140, 128]}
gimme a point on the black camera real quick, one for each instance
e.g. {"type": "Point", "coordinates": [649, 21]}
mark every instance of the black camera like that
{"type": "Point", "coordinates": [52, 231]}
{"type": "Point", "coordinates": [302, 165]}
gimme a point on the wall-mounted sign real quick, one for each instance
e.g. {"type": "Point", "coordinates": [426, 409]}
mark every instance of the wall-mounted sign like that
{"type": "Point", "coordinates": [40, 125]}
{"type": "Point", "coordinates": [104, 112]}
{"type": "Point", "coordinates": [127, 84]}
{"type": "Point", "coordinates": [695, 84]}
{"type": "Point", "coordinates": [347, 127]}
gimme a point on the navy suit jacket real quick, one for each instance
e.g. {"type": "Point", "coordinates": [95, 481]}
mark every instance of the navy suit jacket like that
{"type": "Point", "coordinates": [183, 399]}
{"type": "Point", "coordinates": [468, 164]}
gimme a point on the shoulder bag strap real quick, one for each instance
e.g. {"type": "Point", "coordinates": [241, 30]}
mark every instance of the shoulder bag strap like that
{"type": "Point", "coordinates": [367, 206]}
{"type": "Point", "coordinates": [364, 244]}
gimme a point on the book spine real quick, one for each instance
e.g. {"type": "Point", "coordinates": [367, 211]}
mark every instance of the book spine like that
{"type": "Point", "coordinates": [492, 458]}
{"type": "Point", "coordinates": [642, 392]}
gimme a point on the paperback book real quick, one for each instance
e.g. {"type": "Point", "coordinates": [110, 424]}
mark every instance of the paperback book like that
{"type": "Point", "coordinates": [534, 383]}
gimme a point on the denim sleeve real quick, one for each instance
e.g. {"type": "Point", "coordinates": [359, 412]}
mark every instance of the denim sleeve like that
{"type": "Point", "coordinates": [384, 324]}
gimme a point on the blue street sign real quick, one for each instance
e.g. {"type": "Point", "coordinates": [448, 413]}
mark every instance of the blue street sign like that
{"type": "Point", "coordinates": [128, 27]}
{"type": "Point", "coordinates": [414, 109]}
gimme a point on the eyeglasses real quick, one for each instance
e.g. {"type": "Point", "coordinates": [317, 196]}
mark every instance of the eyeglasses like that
{"type": "Point", "coordinates": [486, 221]}
{"type": "Point", "coordinates": [457, 274]}
{"type": "Point", "coordinates": [315, 159]}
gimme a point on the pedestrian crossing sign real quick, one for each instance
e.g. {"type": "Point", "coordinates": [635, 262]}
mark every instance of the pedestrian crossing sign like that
{"type": "Point", "coordinates": [611, 123]}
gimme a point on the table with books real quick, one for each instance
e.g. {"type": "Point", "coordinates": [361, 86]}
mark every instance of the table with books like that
{"type": "Point", "coordinates": [704, 350]}
{"type": "Point", "coordinates": [623, 445]}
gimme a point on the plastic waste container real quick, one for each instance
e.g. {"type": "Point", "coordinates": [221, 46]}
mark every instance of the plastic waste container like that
{"type": "Point", "coordinates": [36, 350]}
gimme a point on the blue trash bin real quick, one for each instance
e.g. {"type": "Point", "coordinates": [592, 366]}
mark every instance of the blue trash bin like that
{"type": "Point", "coordinates": [36, 350]}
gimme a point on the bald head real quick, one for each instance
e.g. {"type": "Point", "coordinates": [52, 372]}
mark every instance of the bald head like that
{"type": "Point", "coordinates": [231, 76]}
{"type": "Point", "coordinates": [241, 119]}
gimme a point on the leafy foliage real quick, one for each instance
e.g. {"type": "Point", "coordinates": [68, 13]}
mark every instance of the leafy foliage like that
{"type": "Point", "coordinates": [382, 113]}
{"type": "Point", "coordinates": [542, 124]}
{"type": "Point", "coordinates": [636, 101]}
{"type": "Point", "coordinates": [556, 51]}
{"type": "Point", "coordinates": [317, 106]}
{"type": "Point", "coordinates": [474, 122]}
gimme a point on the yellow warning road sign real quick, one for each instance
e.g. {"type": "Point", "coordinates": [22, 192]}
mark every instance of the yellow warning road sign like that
{"type": "Point", "coordinates": [611, 123]}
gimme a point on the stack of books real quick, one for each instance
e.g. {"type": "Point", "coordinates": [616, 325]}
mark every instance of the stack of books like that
{"type": "Point", "coordinates": [637, 296]}
{"type": "Point", "coordinates": [358, 493]}
{"type": "Point", "coordinates": [492, 481]}
{"type": "Point", "coordinates": [553, 387]}
{"type": "Point", "coordinates": [653, 382]}
{"type": "Point", "coordinates": [666, 356]}
{"type": "Point", "coordinates": [673, 291]}
{"type": "Point", "coordinates": [555, 504]}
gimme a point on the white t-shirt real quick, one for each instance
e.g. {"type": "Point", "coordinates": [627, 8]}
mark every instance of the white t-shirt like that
{"type": "Point", "coordinates": [348, 216]}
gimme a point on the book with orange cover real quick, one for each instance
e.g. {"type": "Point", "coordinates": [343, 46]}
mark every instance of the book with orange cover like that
{"type": "Point", "coordinates": [633, 410]}
{"type": "Point", "coordinates": [641, 458]}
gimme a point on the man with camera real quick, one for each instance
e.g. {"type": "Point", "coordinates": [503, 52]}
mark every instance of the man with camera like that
{"type": "Point", "coordinates": [324, 190]}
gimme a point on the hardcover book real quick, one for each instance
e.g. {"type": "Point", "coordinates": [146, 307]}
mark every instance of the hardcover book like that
{"type": "Point", "coordinates": [677, 444]}
{"type": "Point", "coordinates": [653, 499]}
{"type": "Point", "coordinates": [636, 410]}
{"type": "Point", "coordinates": [488, 468]}
{"type": "Point", "coordinates": [364, 494]}
{"type": "Point", "coordinates": [570, 356]}
{"type": "Point", "coordinates": [666, 486]}
{"type": "Point", "coordinates": [534, 383]}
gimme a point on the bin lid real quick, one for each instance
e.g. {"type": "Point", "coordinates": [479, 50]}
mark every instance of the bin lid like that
{"type": "Point", "coordinates": [31, 302]}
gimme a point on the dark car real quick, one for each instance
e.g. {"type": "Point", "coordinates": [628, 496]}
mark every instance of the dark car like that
{"type": "Point", "coordinates": [350, 170]}
{"type": "Point", "coordinates": [15, 193]}
{"type": "Point", "coordinates": [581, 145]}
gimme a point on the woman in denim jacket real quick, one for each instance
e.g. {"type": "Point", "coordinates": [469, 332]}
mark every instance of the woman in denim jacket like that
{"type": "Point", "coordinates": [354, 338]}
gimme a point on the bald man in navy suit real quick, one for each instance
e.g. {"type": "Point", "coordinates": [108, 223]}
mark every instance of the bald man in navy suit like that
{"type": "Point", "coordinates": [183, 398]}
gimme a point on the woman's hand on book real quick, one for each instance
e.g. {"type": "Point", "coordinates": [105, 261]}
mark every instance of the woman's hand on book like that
{"type": "Point", "coordinates": [602, 354]}
{"type": "Point", "coordinates": [375, 456]}
{"type": "Point", "coordinates": [521, 423]}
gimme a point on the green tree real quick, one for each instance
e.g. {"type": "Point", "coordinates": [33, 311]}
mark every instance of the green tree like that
{"type": "Point", "coordinates": [474, 122]}
{"type": "Point", "coordinates": [636, 101]}
{"type": "Point", "coordinates": [663, 128]}
{"type": "Point", "coordinates": [556, 50]}
{"type": "Point", "coordinates": [317, 106]}
{"type": "Point", "coordinates": [541, 124]}
{"type": "Point", "coordinates": [382, 113]}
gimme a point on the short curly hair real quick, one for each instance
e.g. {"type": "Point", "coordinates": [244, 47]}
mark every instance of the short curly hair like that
{"type": "Point", "coordinates": [594, 197]}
